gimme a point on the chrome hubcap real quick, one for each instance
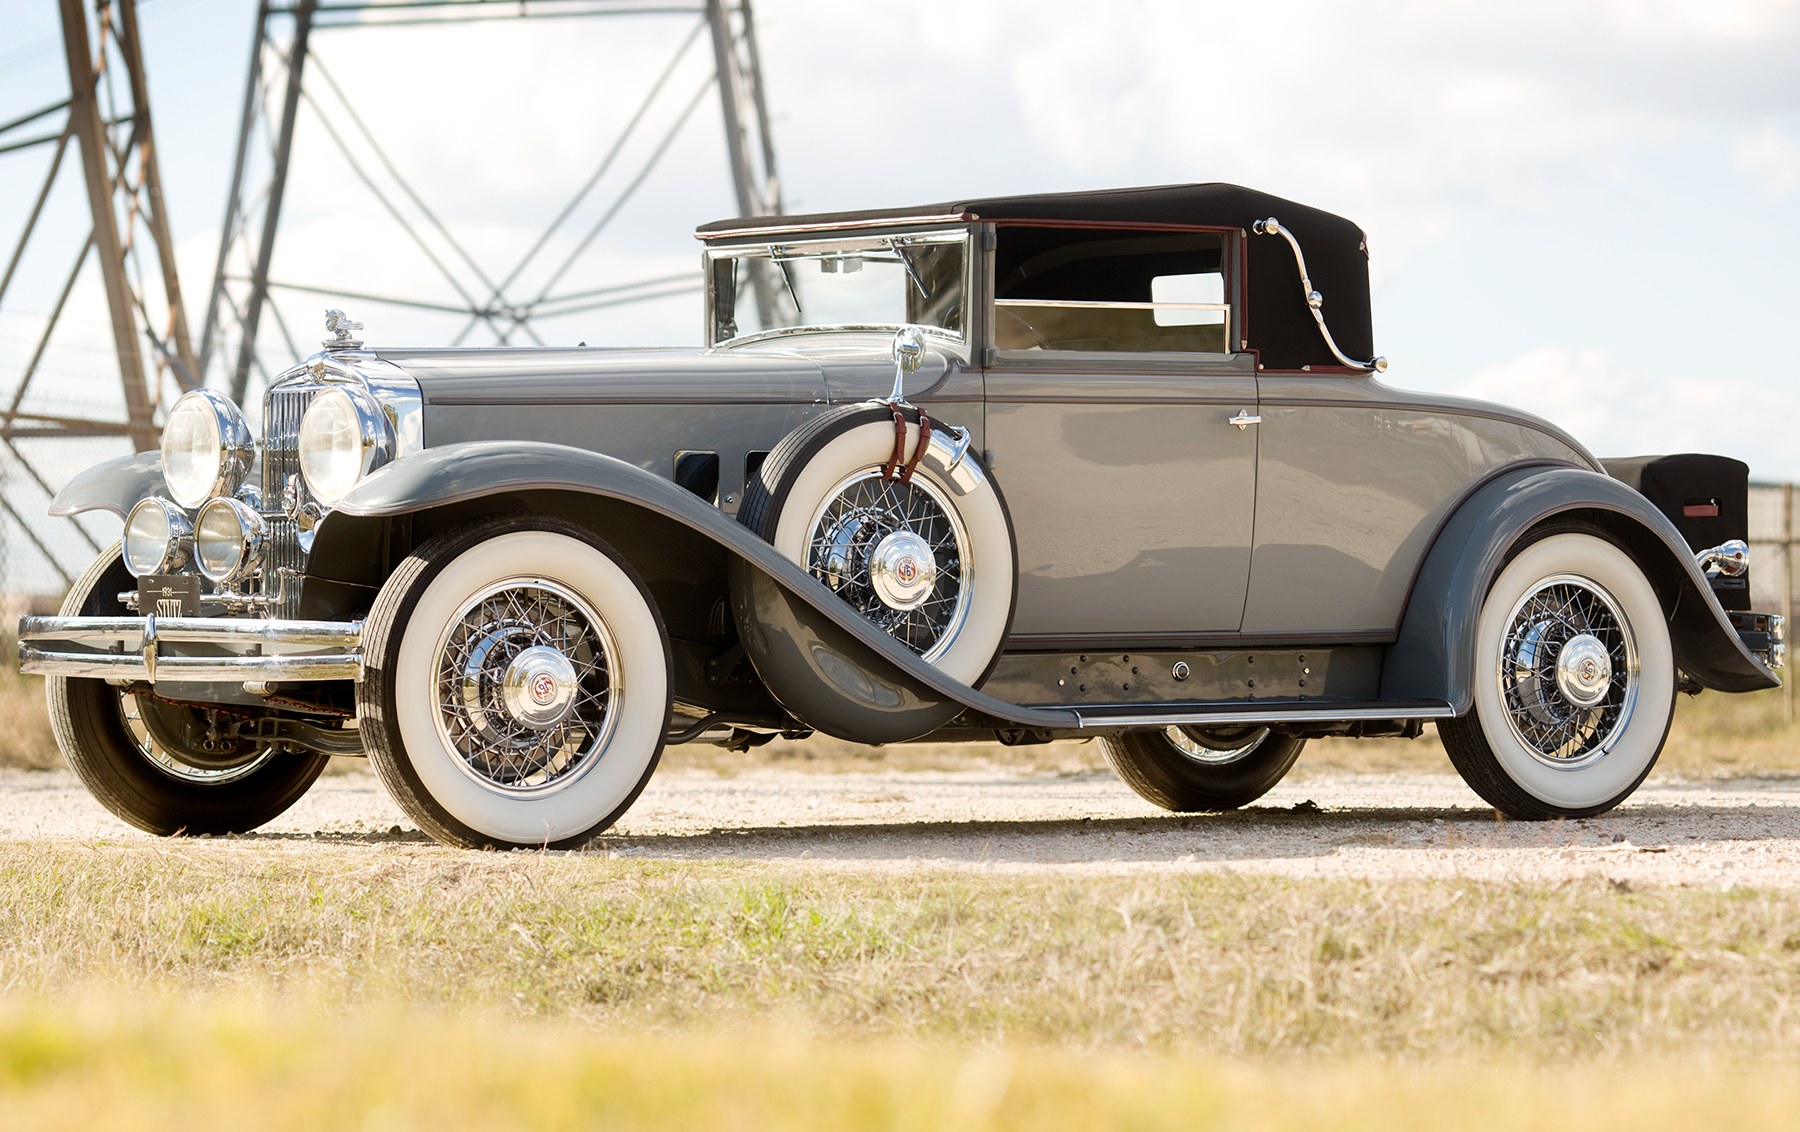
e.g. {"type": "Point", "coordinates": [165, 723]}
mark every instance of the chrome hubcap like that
{"type": "Point", "coordinates": [1583, 671]}
{"type": "Point", "coordinates": [903, 570]}
{"type": "Point", "coordinates": [1568, 671]}
{"type": "Point", "coordinates": [539, 687]}
{"type": "Point", "coordinates": [898, 553]}
{"type": "Point", "coordinates": [526, 684]}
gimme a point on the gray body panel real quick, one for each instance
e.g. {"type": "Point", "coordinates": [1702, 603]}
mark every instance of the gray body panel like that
{"type": "Point", "coordinates": [645, 406]}
{"type": "Point", "coordinates": [1354, 478]}
{"type": "Point", "coordinates": [1132, 498]}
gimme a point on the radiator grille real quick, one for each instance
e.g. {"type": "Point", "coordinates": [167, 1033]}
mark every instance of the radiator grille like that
{"type": "Point", "coordinates": [283, 492]}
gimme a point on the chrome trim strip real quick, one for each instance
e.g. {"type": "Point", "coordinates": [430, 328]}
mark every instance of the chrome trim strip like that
{"type": "Point", "coordinates": [1270, 226]}
{"type": "Point", "coordinates": [205, 669]}
{"type": "Point", "coordinates": [847, 225]}
{"type": "Point", "coordinates": [1103, 304]}
{"type": "Point", "coordinates": [208, 630]}
{"type": "Point", "coordinates": [1271, 714]}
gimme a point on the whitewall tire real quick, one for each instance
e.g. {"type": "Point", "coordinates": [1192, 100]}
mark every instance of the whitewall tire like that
{"type": "Point", "coordinates": [930, 561]}
{"type": "Point", "coordinates": [1574, 681]}
{"type": "Point", "coordinates": [517, 685]}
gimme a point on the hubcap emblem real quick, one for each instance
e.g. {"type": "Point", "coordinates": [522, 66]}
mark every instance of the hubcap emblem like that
{"type": "Point", "coordinates": [902, 570]}
{"type": "Point", "coordinates": [1583, 670]}
{"type": "Point", "coordinates": [538, 688]}
{"type": "Point", "coordinates": [543, 689]}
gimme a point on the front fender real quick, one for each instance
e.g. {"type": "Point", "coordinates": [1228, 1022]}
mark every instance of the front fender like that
{"type": "Point", "coordinates": [897, 685]}
{"type": "Point", "coordinates": [1434, 656]}
{"type": "Point", "coordinates": [115, 485]}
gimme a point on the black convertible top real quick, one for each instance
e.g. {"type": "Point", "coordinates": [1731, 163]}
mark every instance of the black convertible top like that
{"type": "Point", "coordinates": [1280, 325]}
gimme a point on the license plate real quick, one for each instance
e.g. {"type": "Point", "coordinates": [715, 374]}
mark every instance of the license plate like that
{"type": "Point", "coordinates": [169, 595]}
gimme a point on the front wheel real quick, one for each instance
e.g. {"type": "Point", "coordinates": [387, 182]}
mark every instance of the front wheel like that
{"type": "Point", "coordinates": [165, 768]}
{"type": "Point", "coordinates": [1574, 682]}
{"type": "Point", "coordinates": [516, 692]}
{"type": "Point", "coordinates": [1202, 769]}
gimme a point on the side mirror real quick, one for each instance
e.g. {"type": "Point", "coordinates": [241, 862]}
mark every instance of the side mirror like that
{"type": "Point", "coordinates": [909, 348]}
{"type": "Point", "coordinates": [909, 351]}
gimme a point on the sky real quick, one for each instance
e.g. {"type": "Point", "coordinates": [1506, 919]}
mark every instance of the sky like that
{"type": "Point", "coordinates": [1586, 208]}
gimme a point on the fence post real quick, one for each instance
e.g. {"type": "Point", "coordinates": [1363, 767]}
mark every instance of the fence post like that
{"type": "Point", "coordinates": [1787, 589]}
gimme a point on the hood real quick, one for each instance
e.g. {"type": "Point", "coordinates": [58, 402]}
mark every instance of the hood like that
{"type": "Point", "coordinates": [598, 376]}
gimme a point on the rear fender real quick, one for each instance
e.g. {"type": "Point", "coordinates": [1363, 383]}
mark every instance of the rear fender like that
{"type": "Point", "coordinates": [1434, 656]}
{"type": "Point", "coordinates": [889, 693]}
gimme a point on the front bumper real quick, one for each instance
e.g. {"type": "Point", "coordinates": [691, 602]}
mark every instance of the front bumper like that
{"type": "Point", "coordinates": [190, 649]}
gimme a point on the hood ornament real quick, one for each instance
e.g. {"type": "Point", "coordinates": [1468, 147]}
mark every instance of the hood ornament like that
{"type": "Point", "coordinates": [338, 329]}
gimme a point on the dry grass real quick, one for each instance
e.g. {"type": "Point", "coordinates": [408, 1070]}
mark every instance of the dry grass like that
{"type": "Point", "coordinates": [118, 1063]}
{"type": "Point", "coordinates": [25, 739]}
{"type": "Point", "coordinates": [1206, 965]}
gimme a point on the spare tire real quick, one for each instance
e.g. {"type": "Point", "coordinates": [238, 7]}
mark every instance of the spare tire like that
{"type": "Point", "coordinates": [929, 558]}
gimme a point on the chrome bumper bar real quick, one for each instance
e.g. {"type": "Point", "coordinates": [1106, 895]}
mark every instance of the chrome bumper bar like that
{"type": "Point", "coordinates": [1765, 635]}
{"type": "Point", "coordinates": [224, 649]}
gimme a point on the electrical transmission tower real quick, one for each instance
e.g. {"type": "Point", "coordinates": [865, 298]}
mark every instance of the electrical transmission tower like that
{"type": "Point", "coordinates": [290, 91]}
{"type": "Point", "coordinates": [286, 76]}
{"type": "Point", "coordinates": [106, 119]}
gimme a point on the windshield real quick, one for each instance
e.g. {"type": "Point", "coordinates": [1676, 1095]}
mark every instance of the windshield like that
{"type": "Point", "coordinates": [876, 281]}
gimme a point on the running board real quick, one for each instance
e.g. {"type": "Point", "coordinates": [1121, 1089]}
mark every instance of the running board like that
{"type": "Point", "coordinates": [1273, 712]}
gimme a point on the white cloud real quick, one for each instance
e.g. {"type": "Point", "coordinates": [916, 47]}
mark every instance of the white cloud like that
{"type": "Point", "coordinates": [1770, 155]}
{"type": "Point", "coordinates": [1615, 411]}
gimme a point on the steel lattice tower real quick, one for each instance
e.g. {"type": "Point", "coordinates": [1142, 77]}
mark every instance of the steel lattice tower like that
{"type": "Point", "coordinates": [107, 120]}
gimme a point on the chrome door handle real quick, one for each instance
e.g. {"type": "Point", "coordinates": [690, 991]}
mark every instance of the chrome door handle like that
{"type": "Point", "coordinates": [1244, 419]}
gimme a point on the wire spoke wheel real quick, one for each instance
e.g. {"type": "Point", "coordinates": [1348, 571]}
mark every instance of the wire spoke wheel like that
{"type": "Point", "coordinates": [1215, 746]}
{"type": "Point", "coordinates": [898, 553]}
{"type": "Point", "coordinates": [525, 685]}
{"type": "Point", "coordinates": [1573, 680]}
{"type": "Point", "coordinates": [149, 728]}
{"type": "Point", "coordinates": [1568, 671]}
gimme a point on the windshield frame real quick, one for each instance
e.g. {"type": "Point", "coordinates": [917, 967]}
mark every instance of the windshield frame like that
{"type": "Point", "coordinates": [779, 248]}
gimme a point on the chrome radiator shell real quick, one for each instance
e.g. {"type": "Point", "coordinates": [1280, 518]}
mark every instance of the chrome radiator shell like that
{"type": "Point", "coordinates": [284, 494]}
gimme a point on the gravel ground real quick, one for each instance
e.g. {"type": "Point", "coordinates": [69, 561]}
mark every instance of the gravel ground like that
{"type": "Point", "coordinates": [1713, 833]}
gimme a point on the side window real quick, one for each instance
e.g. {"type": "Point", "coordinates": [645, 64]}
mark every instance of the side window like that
{"type": "Point", "coordinates": [1110, 290]}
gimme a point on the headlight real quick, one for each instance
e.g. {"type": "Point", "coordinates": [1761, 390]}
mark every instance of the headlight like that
{"type": "Point", "coordinates": [158, 538]}
{"type": "Point", "coordinates": [206, 448]}
{"type": "Point", "coordinates": [228, 539]}
{"type": "Point", "coordinates": [343, 438]}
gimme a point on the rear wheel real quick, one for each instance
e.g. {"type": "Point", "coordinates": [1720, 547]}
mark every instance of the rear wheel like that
{"type": "Point", "coordinates": [1574, 682]}
{"type": "Point", "coordinates": [1202, 769]}
{"type": "Point", "coordinates": [166, 768]}
{"type": "Point", "coordinates": [517, 685]}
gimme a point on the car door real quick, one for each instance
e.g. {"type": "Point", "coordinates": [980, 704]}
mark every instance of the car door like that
{"type": "Point", "coordinates": [1132, 494]}
{"type": "Point", "coordinates": [1122, 430]}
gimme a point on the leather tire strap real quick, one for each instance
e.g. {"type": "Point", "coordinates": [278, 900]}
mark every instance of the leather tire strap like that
{"type": "Point", "coordinates": [924, 443]}
{"type": "Point", "coordinates": [894, 462]}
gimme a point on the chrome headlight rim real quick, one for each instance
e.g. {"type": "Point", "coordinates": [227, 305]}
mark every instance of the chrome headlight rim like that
{"type": "Point", "coordinates": [244, 538]}
{"type": "Point", "coordinates": [173, 549]}
{"type": "Point", "coordinates": [374, 441]}
{"type": "Point", "coordinates": [234, 448]}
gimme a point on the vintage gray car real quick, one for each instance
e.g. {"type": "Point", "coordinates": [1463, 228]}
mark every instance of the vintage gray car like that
{"type": "Point", "coordinates": [1112, 465]}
